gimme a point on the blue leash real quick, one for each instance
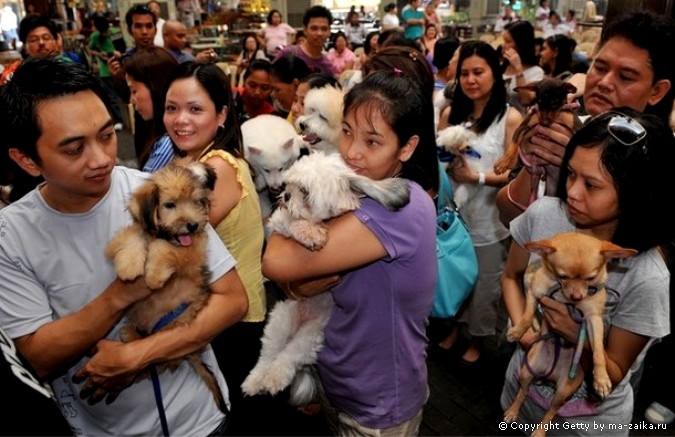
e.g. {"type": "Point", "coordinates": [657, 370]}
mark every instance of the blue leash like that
{"type": "Point", "coordinates": [158, 399]}
{"type": "Point", "coordinates": [154, 376]}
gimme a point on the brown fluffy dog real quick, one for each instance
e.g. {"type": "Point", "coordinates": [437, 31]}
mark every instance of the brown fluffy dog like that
{"type": "Point", "coordinates": [166, 243]}
{"type": "Point", "coordinates": [578, 263]}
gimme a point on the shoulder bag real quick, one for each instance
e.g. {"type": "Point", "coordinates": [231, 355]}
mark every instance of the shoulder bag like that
{"type": "Point", "coordinates": [457, 262]}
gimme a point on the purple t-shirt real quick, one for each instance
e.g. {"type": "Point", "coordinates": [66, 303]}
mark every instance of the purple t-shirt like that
{"type": "Point", "coordinates": [372, 364]}
{"type": "Point", "coordinates": [322, 65]}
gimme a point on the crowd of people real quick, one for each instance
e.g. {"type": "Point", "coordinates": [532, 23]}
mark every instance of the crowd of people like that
{"type": "Point", "coordinates": [62, 306]}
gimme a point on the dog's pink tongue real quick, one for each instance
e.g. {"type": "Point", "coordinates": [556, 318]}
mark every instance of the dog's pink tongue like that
{"type": "Point", "coordinates": [185, 240]}
{"type": "Point", "coordinates": [311, 139]}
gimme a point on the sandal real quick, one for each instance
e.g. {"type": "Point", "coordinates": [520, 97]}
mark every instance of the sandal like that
{"type": "Point", "coordinates": [659, 414]}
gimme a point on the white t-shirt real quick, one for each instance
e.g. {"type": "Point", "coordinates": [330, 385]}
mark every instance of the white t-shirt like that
{"type": "Point", "coordinates": [390, 21]}
{"type": "Point", "coordinates": [550, 30]}
{"type": "Point", "coordinates": [52, 264]}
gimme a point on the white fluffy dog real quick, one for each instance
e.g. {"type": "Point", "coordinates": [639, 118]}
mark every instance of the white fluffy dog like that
{"type": "Point", "coordinates": [456, 140]}
{"type": "Point", "coordinates": [271, 145]}
{"type": "Point", "coordinates": [321, 122]}
{"type": "Point", "coordinates": [318, 187]}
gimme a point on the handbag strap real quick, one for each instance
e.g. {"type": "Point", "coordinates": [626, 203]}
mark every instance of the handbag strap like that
{"type": "Point", "coordinates": [445, 194]}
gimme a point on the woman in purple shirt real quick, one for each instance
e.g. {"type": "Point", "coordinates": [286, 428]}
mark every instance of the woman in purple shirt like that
{"type": "Point", "coordinates": [380, 266]}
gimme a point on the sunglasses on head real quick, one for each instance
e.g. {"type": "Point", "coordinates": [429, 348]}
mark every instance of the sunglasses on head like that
{"type": "Point", "coordinates": [626, 130]}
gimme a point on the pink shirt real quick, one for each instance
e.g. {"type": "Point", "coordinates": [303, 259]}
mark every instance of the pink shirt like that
{"type": "Point", "coordinates": [340, 61]}
{"type": "Point", "coordinates": [276, 36]}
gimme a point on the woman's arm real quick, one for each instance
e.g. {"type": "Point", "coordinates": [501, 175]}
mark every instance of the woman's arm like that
{"type": "Point", "coordinates": [227, 192]}
{"type": "Point", "coordinates": [350, 245]}
{"type": "Point", "coordinates": [621, 349]}
{"type": "Point", "coordinates": [464, 173]}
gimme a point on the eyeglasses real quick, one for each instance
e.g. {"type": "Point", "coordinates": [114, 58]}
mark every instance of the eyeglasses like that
{"type": "Point", "coordinates": [626, 130]}
{"type": "Point", "coordinates": [46, 38]}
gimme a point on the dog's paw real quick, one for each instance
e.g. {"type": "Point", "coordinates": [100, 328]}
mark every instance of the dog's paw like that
{"type": "Point", "coordinates": [278, 378]}
{"type": "Point", "coordinates": [515, 333]}
{"type": "Point", "coordinates": [311, 235]}
{"type": "Point", "coordinates": [601, 382]}
{"type": "Point", "coordinates": [129, 268]}
{"type": "Point", "coordinates": [253, 384]}
{"type": "Point", "coordinates": [511, 414]}
{"type": "Point", "coordinates": [539, 432]}
{"type": "Point", "coordinates": [156, 276]}
{"type": "Point", "coordinates": [129, 333]}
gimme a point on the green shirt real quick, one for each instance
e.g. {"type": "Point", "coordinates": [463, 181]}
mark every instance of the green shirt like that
{"type": "Point", "coordinates": [103, 44]}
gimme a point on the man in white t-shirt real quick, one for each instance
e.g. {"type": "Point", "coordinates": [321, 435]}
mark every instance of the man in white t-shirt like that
{"type": "Point", "coordinates": [60, 300]}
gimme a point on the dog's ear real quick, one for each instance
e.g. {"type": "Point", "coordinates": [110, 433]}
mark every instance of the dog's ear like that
{"type": "Point", "coordinates": [253, 150]}
{"type": "Point", "coordinates": [143, 207]}
{"type": "Point", "coordinates": [204, 174]}
{"type": "Point", "coordinates": [392, 193]}
{"type": "Point", "coordinates": [210, 177]}
{"type": "Point", "coordinates": [612, 251]}
{"type": "Point", "coordinates": [288, 144]}
{"type": "Point", "coordinates": [571, 89]}
{"type": "Point", "coordinates": [540, 247]}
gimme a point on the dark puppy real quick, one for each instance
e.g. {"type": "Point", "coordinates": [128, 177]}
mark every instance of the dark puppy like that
{"type": "Point", "coordinates": [550, 96]}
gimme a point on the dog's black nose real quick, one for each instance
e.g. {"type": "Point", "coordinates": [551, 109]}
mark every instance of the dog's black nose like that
{"type": "Point", "coordinates": [303, 126]}
{"type": "Point", "coordinates": [192, 226]}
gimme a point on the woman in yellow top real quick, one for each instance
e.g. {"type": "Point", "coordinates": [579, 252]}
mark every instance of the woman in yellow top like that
{"type": "Point", "coordinates": [198, 120]}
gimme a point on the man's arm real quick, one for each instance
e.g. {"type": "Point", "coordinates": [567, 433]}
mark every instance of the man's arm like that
{"type": "Point", "coordinates": [547, 147]}
{"type": "Point", "coordinates": [57, 345]}
{"type": "Point", "coordinates": [114, 365]}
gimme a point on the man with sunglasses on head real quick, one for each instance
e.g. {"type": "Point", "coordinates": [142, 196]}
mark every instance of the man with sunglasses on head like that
{"type": "Point", "coordinates": [633, 67]}
{"type": "Point", "coordinates": [40, 38]}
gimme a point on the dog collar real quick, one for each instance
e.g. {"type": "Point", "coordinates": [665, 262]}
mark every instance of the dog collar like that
{"type": "Point", "coordinates": [169, 317]}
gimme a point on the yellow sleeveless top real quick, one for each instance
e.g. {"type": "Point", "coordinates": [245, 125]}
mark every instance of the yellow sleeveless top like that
{"type": "Point", "coordinates": [243, 234]}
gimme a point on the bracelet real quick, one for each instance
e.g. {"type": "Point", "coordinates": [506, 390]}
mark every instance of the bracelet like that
{"type": "Point", "coordinates": [291, 293]}
{"type": "Point", "coordinates": [512, 200]}
{"type": "Point", "coordinates": [481, 178]}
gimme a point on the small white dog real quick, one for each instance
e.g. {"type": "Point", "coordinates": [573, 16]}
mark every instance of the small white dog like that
{"type": "Point", "coordinates": [321, 122]}
{"type": "Point", "coordinates": [271, 145]}
{"type": "Point", "coordinates": [318, 187]}
{"type": "Point", "coordinates": [456, 140]}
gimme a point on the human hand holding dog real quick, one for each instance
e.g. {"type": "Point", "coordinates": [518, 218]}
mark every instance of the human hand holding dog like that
{"type": "Point", "coordinates": [558, 317]}
{"type": "Point", "coordinates": [112, 368]}
{"type": "Point", "coordinates": [547, 145]}
{"type": "Point", "coordinates": [461, 172]}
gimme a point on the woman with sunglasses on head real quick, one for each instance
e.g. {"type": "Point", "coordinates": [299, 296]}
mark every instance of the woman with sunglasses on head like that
{"type": "Point", "coordinates": [614, 184]}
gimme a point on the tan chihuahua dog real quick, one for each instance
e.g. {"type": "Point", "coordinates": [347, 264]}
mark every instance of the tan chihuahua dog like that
{"type": "Point", "coordinates": [577, 262]}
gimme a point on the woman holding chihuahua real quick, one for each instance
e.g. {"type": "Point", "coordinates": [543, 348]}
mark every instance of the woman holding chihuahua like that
{"type": "Point", "coordinates": [200, 125]}
{"type": "Point", "coordinates": [479, 104]}
{"type": "Point", "coordinates": [615, 175]}
{"type": "Point", "coordinates": [379, 265]}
